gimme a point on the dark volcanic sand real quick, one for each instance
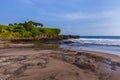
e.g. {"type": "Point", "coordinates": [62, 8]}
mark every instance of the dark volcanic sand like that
{"type": "Point", "coordinates": [26, 62]}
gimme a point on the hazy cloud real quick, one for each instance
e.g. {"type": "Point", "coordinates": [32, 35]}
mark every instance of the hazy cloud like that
{"type": "Point", "coordinates": [79, 16]}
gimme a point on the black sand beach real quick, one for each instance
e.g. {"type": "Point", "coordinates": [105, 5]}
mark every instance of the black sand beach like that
{"type": "Point", "coordinates": [20, 61]}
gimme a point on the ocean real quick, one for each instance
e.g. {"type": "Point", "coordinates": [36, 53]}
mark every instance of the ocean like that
{"type": "Point", "coordinates": [107, 44]}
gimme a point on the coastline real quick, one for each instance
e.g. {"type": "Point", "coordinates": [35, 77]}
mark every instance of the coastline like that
{"type": "Point", "coordinates": [20, 62]}
{"type": "Point", "coordinates": [42, 37]}
{"type": "Point", "coordinates": [68, 40]}
{"type": "Point", "coordinates": [113, 57]}
{"type": "Point", "coordinates": [105, 44]}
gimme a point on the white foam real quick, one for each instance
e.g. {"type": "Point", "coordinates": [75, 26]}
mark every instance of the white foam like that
{"type": "Point", "coordinates": [104, 42]}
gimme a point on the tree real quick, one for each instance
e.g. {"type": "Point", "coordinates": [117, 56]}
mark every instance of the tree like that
{"type": "Point", "coordinates": [10, 28]}
{"type": "Point", "coordinates": [36, 24]}
{"type": "Point", "coordinates": [28, 26]}
{"type": "Point", "coordinates": [10, 24]}
{"type": "Point", "coordinates": [35, 32]}
{"type": "Point", "coordinates": [27, 29]}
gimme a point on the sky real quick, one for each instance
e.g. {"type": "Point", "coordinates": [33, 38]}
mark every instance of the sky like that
{"type": "Point", "coordinates": [77, 17]}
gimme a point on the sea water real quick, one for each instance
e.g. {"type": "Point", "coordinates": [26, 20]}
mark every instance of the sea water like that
{"type": "Point", "coordinates": [107, 44]}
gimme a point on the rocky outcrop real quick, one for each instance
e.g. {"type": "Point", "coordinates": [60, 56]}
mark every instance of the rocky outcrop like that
{"type": "Point", "coordinates": [43, 37]}
{"type": "Point", "coordinates": [68, 37]}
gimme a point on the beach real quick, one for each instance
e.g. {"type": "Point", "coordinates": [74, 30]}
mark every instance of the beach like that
{"type": "Point", "coordinates": [20, 61]}
{"type": "Point", "coordinates": [104, 44]}
{"type": "Point", "coordinates": [60, 40]}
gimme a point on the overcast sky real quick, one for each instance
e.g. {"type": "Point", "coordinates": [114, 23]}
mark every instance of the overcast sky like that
{"type": "Point", "coordinates": [82, 17]}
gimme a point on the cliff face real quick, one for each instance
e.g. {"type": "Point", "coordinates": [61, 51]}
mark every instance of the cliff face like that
{"type": "Point", "coordinates": [59, 37]}
{"type": "Point", "coordinates": [43, 37]}
{"type": "Point", "coordinates": [69, 36]}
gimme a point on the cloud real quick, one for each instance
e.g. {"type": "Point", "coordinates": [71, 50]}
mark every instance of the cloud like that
{"type": "Point", "coordinates": [82, 15]}
{"type": "Point", "coordinates": [73, 16]}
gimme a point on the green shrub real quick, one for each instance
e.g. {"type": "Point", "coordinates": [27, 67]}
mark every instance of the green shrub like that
{"type": "Point", "coordinates": [26, 29]}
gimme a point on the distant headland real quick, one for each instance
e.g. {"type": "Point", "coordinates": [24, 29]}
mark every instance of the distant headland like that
{"type": "Point", "coordinates": [31, 30]}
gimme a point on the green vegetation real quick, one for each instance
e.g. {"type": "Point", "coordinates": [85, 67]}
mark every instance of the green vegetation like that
{"type": "Point", "coordinates": [28, 29]}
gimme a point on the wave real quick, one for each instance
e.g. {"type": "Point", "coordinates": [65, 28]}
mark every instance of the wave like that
{"type": "Point", "coordinates": [101, 42]}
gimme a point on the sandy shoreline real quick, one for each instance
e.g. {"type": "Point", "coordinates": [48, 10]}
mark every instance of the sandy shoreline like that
{"type": "Point", "coordinates": [113, 57]}
{"type": "Point", "coordinates": [21, 64]}
{"type": "Point", "coordinates": [25, 63]}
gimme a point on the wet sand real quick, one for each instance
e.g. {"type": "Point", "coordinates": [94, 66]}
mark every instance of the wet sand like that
{"type": "Point", "coordinates": [34, 64]}
{"type": "Point", "coordinates": [50, 64]}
